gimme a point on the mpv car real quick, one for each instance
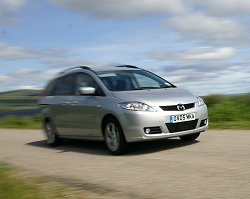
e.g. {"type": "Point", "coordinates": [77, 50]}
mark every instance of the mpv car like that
{"type": "Point", "coordinates": [119, 105]}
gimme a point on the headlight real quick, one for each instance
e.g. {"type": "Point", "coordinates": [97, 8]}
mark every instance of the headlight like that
{"type": "Point", "coordinates": [200, 101]}
{"type": "Point", "coordinates": [137, 106]}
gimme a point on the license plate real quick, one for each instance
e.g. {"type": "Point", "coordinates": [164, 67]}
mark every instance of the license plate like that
{"type": "Point", "coordinates": [182, 117]}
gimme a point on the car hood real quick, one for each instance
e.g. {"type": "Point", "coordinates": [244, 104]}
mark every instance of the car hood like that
{"type": "Point", "coordinates": [157, 97]}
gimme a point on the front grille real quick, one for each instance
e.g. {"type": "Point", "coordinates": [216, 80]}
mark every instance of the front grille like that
{"type": "Point", "coordinates": [174, 107]}
{"type": "Point", "coordinates": [153, 130]}
{"type": "Point", "coordinates": [181, 126]}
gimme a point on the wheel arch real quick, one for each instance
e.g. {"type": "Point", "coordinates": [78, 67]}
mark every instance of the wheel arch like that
{"type": "Point", "coordinates": [106, 118]}
{"type": "Point", "coordinates": [44, 120]}
{"type": "Point", "coordinates": [111, 116]}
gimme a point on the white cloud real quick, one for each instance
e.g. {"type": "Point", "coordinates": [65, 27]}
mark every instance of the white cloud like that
{"type": "Point", "coordinates": [65, 62]}
{"type": "Point", "coordinates": [194, 56]}
{"type": "Point", "coordinates": [17, 52]}
{"type": "Point", "coordinates": [207, 54]}
{"type": "Point", "coordinates": [123, 9]}
{"type": "Point", "coordinates": [227, 7]}
{"type": "Point", "coordinates": [3, 78]}
{"type": "Point", "coordinates": [47, 56]}
{"type": "Point", "coordinates": [28, 87]}
{"type": "Point", "coordinates": [57, 57]}
{"type": "Point", "coordinates": [223, 82]}
{"type": "Point", "coordinates": [9, 9]}
{"type": "Point", "coordinates": [192, 19]}
{"type": "Point", "coordinates": [13, 4]}
{"type": "Point", "coordinates": [162, 56]}
{"type": "Point", "coordinates": [29, 74]}
{"type": "Point", "coordinates": [25, 77]}
{"type": "Point", "coordinates": [175, 78]}
{"type": "Point", "coordinates": [202, 27]}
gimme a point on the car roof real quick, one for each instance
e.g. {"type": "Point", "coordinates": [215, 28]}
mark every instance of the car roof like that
{"type": "Point", "coordinates": [99, 69]}
{"type": "Point", "coordinates": [114, 68]}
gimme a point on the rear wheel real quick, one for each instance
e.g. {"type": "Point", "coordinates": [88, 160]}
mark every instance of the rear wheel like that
{"type": "Point", "coordinates": [190, 137]}
{"type": "Point", "coordinates": [51, 134]}
{"type": "Point", "coordinates": [114, 138]}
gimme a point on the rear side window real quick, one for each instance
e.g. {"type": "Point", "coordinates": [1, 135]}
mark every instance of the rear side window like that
{"type": "Point", "coordinates": [65, 85]}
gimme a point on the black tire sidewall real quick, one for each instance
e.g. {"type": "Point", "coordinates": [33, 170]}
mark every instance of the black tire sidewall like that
{"type": "Point", "coordinates": [57, 139]}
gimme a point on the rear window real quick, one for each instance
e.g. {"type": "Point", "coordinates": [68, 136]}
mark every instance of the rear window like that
{"type": "Point", "coordinates": [60, 86]}
{"type": "Point", "coordinates": [49, 88]}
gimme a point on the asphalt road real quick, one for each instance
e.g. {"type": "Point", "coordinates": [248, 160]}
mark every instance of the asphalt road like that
{"type": "Point", "coordinates": [215, 166]}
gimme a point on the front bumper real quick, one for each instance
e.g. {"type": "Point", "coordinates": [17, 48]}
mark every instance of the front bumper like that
{"type": "Point", "coordinates": [135, 123]}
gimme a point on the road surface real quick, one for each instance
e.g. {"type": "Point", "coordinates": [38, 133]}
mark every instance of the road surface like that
{"type": "Point", "coordinates": [215, 166]}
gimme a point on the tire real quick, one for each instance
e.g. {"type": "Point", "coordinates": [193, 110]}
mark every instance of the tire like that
{"type": "Point", "coordinates": [51, 134]}
{"type": "Point", "coordinates": [114, 137]}
{"type": "Point", "coordinates": [190, 137]}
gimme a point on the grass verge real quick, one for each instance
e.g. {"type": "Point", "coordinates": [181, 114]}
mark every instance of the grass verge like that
{"type": "Point", "coordinates": [31, 122]}
{"type": "Point", "coordinates": [11, 187]}
{"type": "Point", "coordinates": [228, 112]}
{"type": "Point", "coordinates": [16, 186]}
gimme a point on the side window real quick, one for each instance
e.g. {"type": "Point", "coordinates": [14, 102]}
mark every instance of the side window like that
{"type": "Point", "coordinates": [65, 86]}
{"type": "Point", "coordinates": [84, 80]}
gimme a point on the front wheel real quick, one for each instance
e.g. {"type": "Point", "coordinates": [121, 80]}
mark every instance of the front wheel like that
{"type": "Point", "coordinates": [114, 137]}
{"type": "Point", "coordinates": [190, 137]}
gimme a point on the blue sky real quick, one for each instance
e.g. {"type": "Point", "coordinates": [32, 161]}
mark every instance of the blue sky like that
{"type": "Point", "coordinates": [202, 46]}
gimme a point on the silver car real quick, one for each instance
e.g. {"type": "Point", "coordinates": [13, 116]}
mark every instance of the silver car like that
{"type": "Point", "coordinates": [119, 105]}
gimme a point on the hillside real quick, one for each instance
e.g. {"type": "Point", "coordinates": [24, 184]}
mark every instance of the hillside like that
{"type": "Point", "coordinates": [20, 93]}
{"type": "Point", "coordinates": [19, 99]}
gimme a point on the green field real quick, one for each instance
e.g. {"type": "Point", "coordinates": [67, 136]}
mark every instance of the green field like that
{"type": "Point", "coordinates": [20, 99]}
{"type": "Point", "coordinates": [225, 111]}
{"type": "Point", "coordinates": [229, 112]}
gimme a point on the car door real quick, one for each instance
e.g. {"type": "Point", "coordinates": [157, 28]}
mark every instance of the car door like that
{"type": "Point", "coordinates": [85, 110]}
{"type": "Point", "coordinates": [60, 110]}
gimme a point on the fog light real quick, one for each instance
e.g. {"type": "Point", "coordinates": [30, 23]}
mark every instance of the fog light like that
{"type": "Point", "coordinates": [147, 130]}
{"type": "Point", "coordinates": [204, 122]}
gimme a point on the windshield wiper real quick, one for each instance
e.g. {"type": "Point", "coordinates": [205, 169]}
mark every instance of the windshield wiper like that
{"type": "Point", "coordinates": [146, 88]}
{"type": "Point", "coordinates": [152, 87]}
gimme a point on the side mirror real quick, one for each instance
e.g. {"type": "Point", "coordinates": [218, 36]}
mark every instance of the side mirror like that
{"type": "Point", "coordinates": [87, 91]}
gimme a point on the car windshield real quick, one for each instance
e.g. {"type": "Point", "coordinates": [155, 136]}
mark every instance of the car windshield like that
{"type": "Point", "coordinates": [127, 80]}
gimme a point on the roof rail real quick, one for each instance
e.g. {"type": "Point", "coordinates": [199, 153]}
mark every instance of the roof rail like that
{"type": "Point", "coordinates": [74, 68]}
{"type": "Point", "coordinates": [127, 66]}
